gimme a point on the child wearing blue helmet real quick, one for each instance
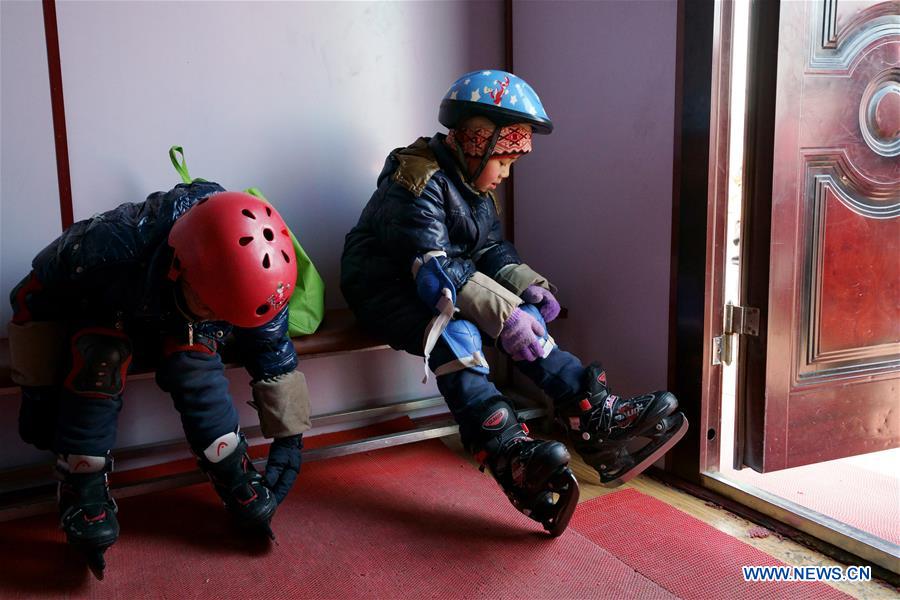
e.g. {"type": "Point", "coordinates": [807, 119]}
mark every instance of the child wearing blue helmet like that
{"type": "Point", "coordinates": [426, 269]}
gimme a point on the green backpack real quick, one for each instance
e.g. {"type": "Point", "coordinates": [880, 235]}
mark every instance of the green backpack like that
{"type": "Point", "coordinates": [307, 304]}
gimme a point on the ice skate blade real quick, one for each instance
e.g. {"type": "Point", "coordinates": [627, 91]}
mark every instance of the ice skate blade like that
{"type": "Point", "coordinates": [96, 563]}
{"type": "Point", "coordinates": [640, 467]}
{"type": "Point", "coordinates": [255, 531]}
{"type": "Point", "coordinates": [567, 487]}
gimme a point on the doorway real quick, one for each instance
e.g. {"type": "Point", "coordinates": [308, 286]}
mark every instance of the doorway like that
{"type": "Point", "coordinates": [844, 490]}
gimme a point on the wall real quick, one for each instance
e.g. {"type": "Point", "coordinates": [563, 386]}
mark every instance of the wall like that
{"type": "Point", "coordinates": [594, 200]}
{"type": "Point", "coordinates": [29, 195]}
{"type": "Point", "coordinates": [301, 99]}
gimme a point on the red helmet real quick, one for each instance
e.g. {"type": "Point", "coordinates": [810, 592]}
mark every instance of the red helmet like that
{"type": "Point", "coordinates": [235, 252]}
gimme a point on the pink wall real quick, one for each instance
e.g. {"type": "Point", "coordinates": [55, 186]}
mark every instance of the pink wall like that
{"type": "Point", "coordinates": [304, 101]}
{"type": "Point", "coordinates": [594, 201]}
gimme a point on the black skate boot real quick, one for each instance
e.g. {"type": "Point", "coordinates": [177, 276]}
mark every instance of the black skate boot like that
{"type": "Point", "coordinates": [534, 474]}
{"type": "Point", "coordinates": [87, 513]}
{"type": "Point", "coordinates": [600, 426]}
{"type": "Point", "coordinates": [242, 489]}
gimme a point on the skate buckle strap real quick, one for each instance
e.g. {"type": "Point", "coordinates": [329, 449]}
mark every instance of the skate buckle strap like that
{"type": "Point", "coordinates": [99, 517]}
{"type": "Point", "coordinates": [498, 443]}
{"type": "Point", "coordinates": [511, 436]}
{"type": "Point", "coordinates": [250, 499]}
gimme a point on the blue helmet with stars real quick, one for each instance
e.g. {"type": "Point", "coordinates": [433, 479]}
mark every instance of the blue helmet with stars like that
{"type": "Point", "coordinates": [497, 95]}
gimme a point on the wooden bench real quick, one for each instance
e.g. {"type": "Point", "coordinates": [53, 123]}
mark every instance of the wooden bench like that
{"type": "Point", "coordinates": [30, 490]}
{"type": "Point", "coordinates": [338, 334]}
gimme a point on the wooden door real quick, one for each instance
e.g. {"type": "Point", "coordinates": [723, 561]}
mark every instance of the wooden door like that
{"type": "Point", "coordinates": [832, 375]}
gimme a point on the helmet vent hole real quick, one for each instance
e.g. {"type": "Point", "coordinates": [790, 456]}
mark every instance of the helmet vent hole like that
{"type": "Point", "coordinates": [268, 212]}
{"type": "Point", "coordinates": [266, 262]}
{"type": "Point", "coordinates": [262, 309]}
{"type": "Point", "coordinates": [287, 258]}
{"type": "Point", "coordinates": [245, 240]}
{"type": "Point", "coordinates": [268, 234]}
{"type": "Point", "coordinates": [248, 214]}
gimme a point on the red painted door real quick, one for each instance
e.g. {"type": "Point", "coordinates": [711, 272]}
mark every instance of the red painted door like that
{"type": "Point", "coordinates": [833, 362]}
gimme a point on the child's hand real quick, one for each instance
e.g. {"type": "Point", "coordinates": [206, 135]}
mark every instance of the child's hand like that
{"type": "Point", "coordinates": [520, 336]}
{"type": "Point", "coordinates": [544, 300]}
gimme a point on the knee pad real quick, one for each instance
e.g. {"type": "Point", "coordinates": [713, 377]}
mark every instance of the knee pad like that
{"type": "Point", "coordinates": [20, 296]}
{"type": "Point", "coordinates": [460, 348]}
{"type": "Point", "coordinates": [100, 359]}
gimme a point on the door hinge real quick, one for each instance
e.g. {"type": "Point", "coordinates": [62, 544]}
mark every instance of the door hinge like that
{"type": "Point", "coordinates": [739, 320]}
{"type": "Point", "coordinates": [718, 350]}
{"type": "Point", "coordinates": [743, 320]}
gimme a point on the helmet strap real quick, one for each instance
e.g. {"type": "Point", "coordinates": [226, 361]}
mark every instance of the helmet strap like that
{"type": "Point", "coordinates": [181, 302]}
{"type": "Point", "coordinates": [489, 149]}
{"type": "Point", "coordinates": [174, 269]}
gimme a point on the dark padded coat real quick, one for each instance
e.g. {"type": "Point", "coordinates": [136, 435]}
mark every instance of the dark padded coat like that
{"type": "Point", "coordinates": [422, 203]}
{"type": "Point", "coordinates": [112, 268]}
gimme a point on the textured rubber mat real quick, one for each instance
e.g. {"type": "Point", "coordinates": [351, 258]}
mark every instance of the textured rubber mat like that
{"type": "Point", "coordinates": [682, 554]}
{"type": "Point", "coordinates": [414, 521]}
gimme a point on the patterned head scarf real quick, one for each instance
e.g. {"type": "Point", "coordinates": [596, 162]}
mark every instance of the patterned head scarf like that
{"type": "Point", "coordinates": [513, 140]}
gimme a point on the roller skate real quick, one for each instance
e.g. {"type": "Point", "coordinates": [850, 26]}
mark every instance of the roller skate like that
{"type": "Point", "coordinates": [534, 474]}
{"type": "Point", "coordinates": [87, 512]}
{"type": "Point", "coordinates": [242, 489]}
{"type": "Point", "coordinates": [601, 425]}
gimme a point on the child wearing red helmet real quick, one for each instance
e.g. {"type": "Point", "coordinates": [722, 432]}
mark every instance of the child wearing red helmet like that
{"type": "Point", "coordinates": [165, 281]}
{"type": "Point", "coordinates": [426, 268]}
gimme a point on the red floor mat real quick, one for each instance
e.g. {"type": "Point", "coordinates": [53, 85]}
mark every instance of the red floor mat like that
{"type": "Point", "coordinates": [413, 521]}
{"type": "Point", "coordinates": [684, 555]}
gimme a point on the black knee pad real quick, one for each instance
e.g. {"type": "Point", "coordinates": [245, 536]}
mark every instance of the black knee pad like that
{"type": "Point", "coordinates": [100, 359]}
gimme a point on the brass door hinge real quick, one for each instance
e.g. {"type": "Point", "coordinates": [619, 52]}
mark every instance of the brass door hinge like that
{"type": "Point", "coordinates": [738, 320]}
{"type": "Point", "coordinates": [743, 320]}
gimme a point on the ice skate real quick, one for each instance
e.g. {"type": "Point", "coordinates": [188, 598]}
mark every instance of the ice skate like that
{"type": "Point", "coordinates": [87, 512]}
{"type": "Point", "coordinates": [601, 426]}
{"type": "Point", "coordinates": [242, 489]}
{"type": "Point", "coordinates": [534, 474]}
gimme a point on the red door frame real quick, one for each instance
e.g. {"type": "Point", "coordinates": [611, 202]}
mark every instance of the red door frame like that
{"type": "Point", "coordinates": [58, 107]}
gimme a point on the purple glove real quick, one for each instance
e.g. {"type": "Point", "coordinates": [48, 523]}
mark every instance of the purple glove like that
{"type": "Point", "coordinates": [520, 334]}
{"type": "Point", "coordinates": [543, 299]}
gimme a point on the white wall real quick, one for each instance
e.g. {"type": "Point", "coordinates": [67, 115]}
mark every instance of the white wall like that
{"type": "Point", "coordinates": [303, 100]}
{"type": "Point", "coordinates": [29, 194]}
{"type": "Point", "coordinates": [594, 200]}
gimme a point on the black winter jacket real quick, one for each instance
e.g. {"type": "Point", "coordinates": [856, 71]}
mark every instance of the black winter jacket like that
{"type": "Point", "coordinates": [422, 203]}
{"type": "Point", "coordinates": [113, 268]}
